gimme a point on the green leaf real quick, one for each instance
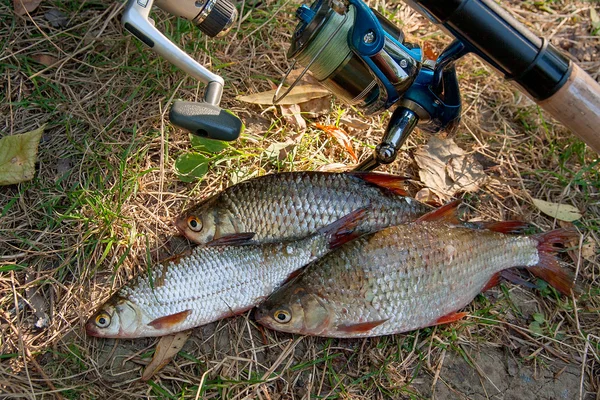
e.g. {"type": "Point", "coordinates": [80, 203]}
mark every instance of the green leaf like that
{"type": "Point", "coordinates": [208, 145]}
{"type": "Point", "coordinates": [536, 328]}
{"type": "Point", "coordinates": [191, 166]}
{"type": "Point", "coordinates": [17, 156]}
{"type": "Point", "coordinates": [538, 317]}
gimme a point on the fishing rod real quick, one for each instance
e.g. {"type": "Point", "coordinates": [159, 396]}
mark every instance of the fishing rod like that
{"type": "Point", "coordinates": [363, 59]}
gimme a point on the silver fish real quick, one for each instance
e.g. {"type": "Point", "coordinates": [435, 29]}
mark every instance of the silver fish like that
{"type": "Point", "coordinates": [293, 205]}
{"type": "Point", "coordinates": [408, 277]}
{"type": "Point", "coordinates": [212, 282]}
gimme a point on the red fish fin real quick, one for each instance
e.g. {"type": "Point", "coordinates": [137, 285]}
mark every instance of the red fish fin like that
{"type": "Point", "coordinates": [511, 276]}
{"type": "Point", "coordinates": [344, 229]}
{"type": "Point", "coordinates": [233, 239]}
{"type": "Point", "coordinates": [452, 317]}
{"type": "Point", "coordinates": [362, 327]}
{"type": "Point", "coordinates": [505, 226]}
{"type": "Point", "coordinates": [494, 281]}
{"type": "Point", "coordinates": [446, 213]}
{"type": "Point", "coordinates": [393, 183]}
{"type": "Point", "coordinates": [548, 268]}
{"type": "Point", "coordinates": [293, 275]}
{"type": "Point", "coordinates": [170, 320]}
{"type": "Point", "coordinates": [175, 259]}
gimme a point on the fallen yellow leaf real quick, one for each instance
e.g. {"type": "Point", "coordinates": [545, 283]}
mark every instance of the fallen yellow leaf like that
{"type": "Point", "coordinates": [298, 94]}
{"type": "Point", "coordinates": [167, 347]}
{"type": "Point", "coordinates": [563, 212]}
{"type": "Point", "coordinates": [17, 156]}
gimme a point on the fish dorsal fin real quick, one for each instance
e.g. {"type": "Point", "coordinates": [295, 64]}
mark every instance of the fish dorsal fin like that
{"type": "Point", "coordinates": [170, 320]}
{"type": "Point", "coordinates": [446, 213]}
{"type": "Point", "coordinates": [344, 229]}
{"type": "Point", "coordinates": [362, 327]}
{"type": "Point", "coordinates": [393, 183]}
{"type": "Point", "coordinates": [233, 239]}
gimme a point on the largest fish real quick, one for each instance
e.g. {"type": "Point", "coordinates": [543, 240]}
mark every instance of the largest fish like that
{"type": "Point", "coordinates": [408, 277]}
{"type": "Point", "coordinates": [212, 282]}
{"type": "Point", "coordinates": [293, 205]}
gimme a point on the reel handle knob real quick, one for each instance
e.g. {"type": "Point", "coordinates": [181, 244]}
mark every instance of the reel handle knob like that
{"type": "Point", "coordinates": [206, 120]}
{"type": "Point", "coordinates": [402, 123]}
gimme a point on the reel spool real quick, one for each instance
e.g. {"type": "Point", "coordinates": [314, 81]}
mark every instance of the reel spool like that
{"type": "Point", "coordinates": [355, 52]}
{"type": "Point", "coordinates": [363, 59]}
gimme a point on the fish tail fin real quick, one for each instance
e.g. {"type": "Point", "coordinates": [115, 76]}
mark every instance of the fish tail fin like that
{"type": "Point", "coordinates": [393, 183]}
{"type": "Point", "coordinates": [344, 229]}
{"type": "Point", "coordinates": [548, 267]}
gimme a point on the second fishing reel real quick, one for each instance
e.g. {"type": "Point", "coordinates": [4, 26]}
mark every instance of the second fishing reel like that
{"type": "Point", "coordinates": [363, 59]}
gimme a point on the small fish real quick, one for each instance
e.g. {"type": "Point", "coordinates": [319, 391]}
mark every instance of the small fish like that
{"type": "Point", "coordinates": [293, 205]}
{"type": "Point", "coordinates": [408, 277]}
{"type": "Point", "coordinates": [213, 281]}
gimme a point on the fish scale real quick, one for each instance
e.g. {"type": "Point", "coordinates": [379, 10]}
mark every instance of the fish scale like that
{"type": "Point", "coordinates": [294, 205]}
{"type": "Point", "coordinates": [400, 279]}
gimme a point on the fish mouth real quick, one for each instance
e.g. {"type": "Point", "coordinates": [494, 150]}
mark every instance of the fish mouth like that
{"type": "Point", "coordinates": [90, 329]}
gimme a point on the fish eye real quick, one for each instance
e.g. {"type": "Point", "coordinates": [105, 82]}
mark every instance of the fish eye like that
{"type": "Point", "coordinates": [194, 223]}
{"type": "Point", "coordinates": [102, 320]}
{"type": "Point", "coordinates": [282, 316]}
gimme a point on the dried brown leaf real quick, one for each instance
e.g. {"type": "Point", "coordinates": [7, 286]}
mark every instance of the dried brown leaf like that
{"type": "Point", "coordinates": [335, 167]}
{"type": "Point", "coordinates": [342, 138]}
{"type": "Point", "coordinates": [45, 59]}
{"type": "Point", "coordinates": [291, 114]}
{"type": "Point", "coordinates": [316, 107]}
{"type": "Point", "coordinates": [298, 94]}
{"type": "Point", "coordinates": [355, 123]}
{"type": "Point", "coordinates": [166, 349]}
{"type": "Point", "coordinates": [23, 7]}
{"type": "Point", "coordinates": [446, 169]}
{"type": "Point", "coordinates": [589, 250]}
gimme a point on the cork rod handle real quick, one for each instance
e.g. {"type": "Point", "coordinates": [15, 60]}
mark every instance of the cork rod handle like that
{"type": "Point", "coordinates": [577, 106]}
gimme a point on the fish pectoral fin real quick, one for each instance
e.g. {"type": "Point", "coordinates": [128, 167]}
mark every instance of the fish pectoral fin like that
{"type": "Point", "coordinates": [452, 317]}
{"type": "Point", "coordinates": [393, 183]}
{"type": "Point", "coordinates": [233, 239]}
{"type": "Point", "coordinates": [170, 320]}
{"type": "Point", "coordinates": [362, 327]}
{"type": "Point", "coordinates": [506, 226]}
{"type": "Point", "coordinates": [446, 213]}
{"type": "Point", "coordinates": [494, 281]}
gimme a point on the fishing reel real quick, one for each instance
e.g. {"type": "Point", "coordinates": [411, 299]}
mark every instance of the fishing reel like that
{"type": "Point", "coordinates": [363, 59]}
{"type": "Point", "coordinates": [213, 17]}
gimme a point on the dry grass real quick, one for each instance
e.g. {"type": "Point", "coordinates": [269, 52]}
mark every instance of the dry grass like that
{"type": "Point", "coordinates": [106, 192]}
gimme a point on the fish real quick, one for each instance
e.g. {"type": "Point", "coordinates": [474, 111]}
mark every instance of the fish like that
{"type": "Point", "coordinates": [223, 278]}
{"type": "Point", "coordinates": [409, 276]}
{"type": "Point", "coordinates": [293, 205]}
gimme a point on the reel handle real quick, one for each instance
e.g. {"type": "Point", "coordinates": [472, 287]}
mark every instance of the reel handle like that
{"type": "Point", "coordinates": [205, 120]}
{"type": "Point", "coordinates": [402, 123]}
